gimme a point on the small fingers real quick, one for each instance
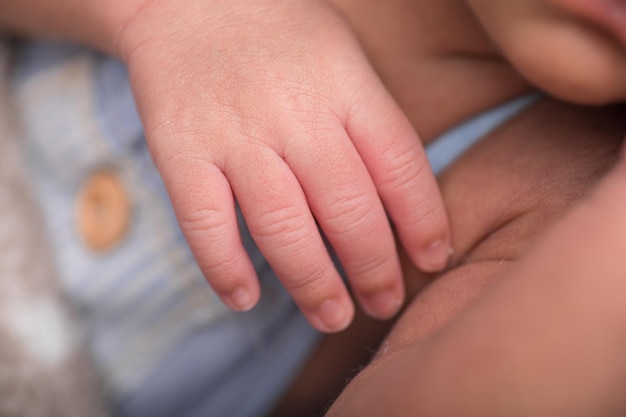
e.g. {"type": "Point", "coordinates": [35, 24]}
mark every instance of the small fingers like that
{"type": "Point", "coordinates": [204, 206]}
{"type": "Point", "coordinates": [345, 203]}
{"type": "Point", "coordinates": [400, 169]}
{"type": "Point", "coordinates": [285, 231]}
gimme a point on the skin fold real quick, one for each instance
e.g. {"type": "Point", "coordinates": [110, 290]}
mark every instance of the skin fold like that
{"type": "Point", "coordinates": [526, 320]}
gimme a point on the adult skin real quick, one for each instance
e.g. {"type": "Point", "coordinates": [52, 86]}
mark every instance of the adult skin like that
{"type": "Point", "coordinates": [274, 105]}
{"type": "Point", "coordinates": [543, 336]}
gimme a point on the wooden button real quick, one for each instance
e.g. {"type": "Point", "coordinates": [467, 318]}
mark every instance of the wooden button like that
{"type": "Point", "coordinates": [103, 211]}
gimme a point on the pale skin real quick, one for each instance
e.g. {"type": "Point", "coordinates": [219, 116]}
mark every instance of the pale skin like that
{"type": "Point", "coordinates": [274, 104]}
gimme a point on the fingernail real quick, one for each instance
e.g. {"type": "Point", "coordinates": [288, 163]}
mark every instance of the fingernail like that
{"type": "Point", "coordinates": [382, 305]}
{"type": "Point", "coordinates": [333, 316]}
{"type": "Point", "coordinates": [240, 300]}
{"type": "Point", "coordinates": [436, 256]}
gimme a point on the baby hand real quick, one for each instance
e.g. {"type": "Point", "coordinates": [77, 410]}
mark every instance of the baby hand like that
{"type": "Point", "coordinates": [275, 104]}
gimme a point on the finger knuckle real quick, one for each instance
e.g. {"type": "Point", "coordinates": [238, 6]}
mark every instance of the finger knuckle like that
{"type": "Point", "coordinates": [221, 272]}
{"type": "Point", "coordinates": [353, 213]}
{"type": "Point", "coordinates": [309, 283]}
{"type": "Point", "coordinates": [201, 220]}
{"type": "Point", "coordinates": [370, 272]}
{"type": "Point", "coordinates": [283, 226]}
{"type": "Point", "coordinates": [402, 171]}
{"type": "Point", "coordinates": [216, 253]}
{"type": "Point", "coordinates": [428, 223]}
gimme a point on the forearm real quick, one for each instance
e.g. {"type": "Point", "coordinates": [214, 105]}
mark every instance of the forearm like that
{"type": "Point", "coordinates": [92, 22]}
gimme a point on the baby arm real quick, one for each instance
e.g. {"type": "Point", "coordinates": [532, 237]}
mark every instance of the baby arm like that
{"type": "Point", "coordinates": [542, 336]}
{"type": "Point", "coordinates": [272, 104]}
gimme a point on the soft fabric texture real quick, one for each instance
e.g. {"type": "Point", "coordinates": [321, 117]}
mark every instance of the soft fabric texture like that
{"type": "Point", "coordinates": [45, 370]}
